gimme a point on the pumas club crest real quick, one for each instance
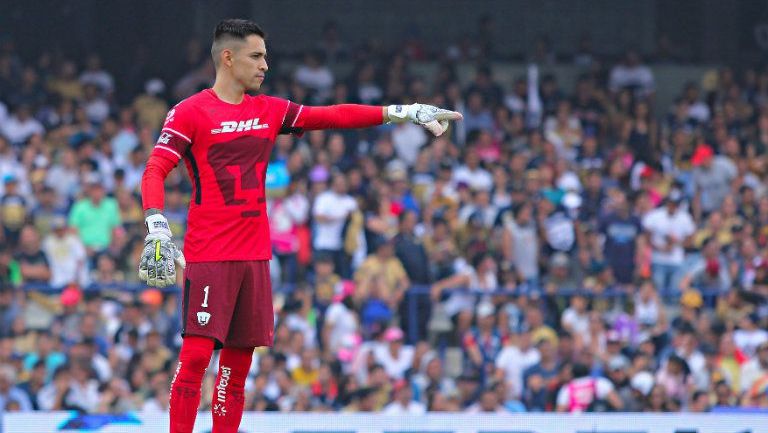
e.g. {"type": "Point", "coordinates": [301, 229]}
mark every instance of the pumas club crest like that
{"type": "Point", "coordinates": [203, 318]}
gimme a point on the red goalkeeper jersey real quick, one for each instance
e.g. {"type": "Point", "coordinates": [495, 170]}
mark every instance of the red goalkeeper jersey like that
{"type": "Point", "coordinates": [226, 148]}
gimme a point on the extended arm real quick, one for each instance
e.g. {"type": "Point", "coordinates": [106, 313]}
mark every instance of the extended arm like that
{"type": "Point", "coordinates": [300, 117]}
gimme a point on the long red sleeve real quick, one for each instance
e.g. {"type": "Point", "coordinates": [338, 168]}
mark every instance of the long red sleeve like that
{"type": "Point", "coordinates": [336, 117]}
{"type": "Point", "coordinates": [153, 180]}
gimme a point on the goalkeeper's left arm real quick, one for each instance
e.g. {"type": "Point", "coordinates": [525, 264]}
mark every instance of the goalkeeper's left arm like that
{"type": "Point", "coordinates": [434, 119]}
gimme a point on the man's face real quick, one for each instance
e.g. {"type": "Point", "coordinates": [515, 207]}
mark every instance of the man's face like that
{"type": "Point", "coordinates": [29, 239]}
{"type": "Point", "coordinates": [671, 206]}
{"type": "Point", "coordinates": [435, 369]}
{"type": "Point", "coordinates": [11, 187]}
{"type": "Point", "coordinates": [95, 192]}
{"type": "Point", "coordinates": [339, 185]}
{"type": "Point", "coordinates": [38, 374]}
{"type": "Point", "coordinates": [405, 394]}
{"type": "Point", "coordinates": [249, 63]}
{"type": "Point", "coordinates": [488, 402]}
{"type": "Point", "coordinates": [762, 355]}
{"type": "Point", "coordinates": [617, 376]}
{"type": "Point", "coordinates": [409, 222]}
{"type": "Point", "coordinates": [324, 268]}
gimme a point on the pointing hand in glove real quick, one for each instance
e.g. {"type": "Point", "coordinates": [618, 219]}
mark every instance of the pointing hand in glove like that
{"type": "Point", "coordinates": [434, 119]}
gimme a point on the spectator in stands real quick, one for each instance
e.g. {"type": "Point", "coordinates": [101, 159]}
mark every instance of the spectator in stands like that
{"type": "Point", "coordinates": [83, 392]}
{"type": "Point", "coordinates": [66, 255]}
{"type": "Point", "coordinates": [363, 400]}
{"type": "Point", "coordinates": [402, 401]}
{"type": "Point", "coordinates": [95, 217]}
{"type": "Point", "coordinates": [712, 176]}
{"type": "Point", "coordinates": [623, 239]}
{"type": "Point", "coordinates": [11, 393]}
{"type": "Point", "coordinates": [382, 276]}
{"type": "Point", "coordinates": [314, 75]}
{"type": "Point", "coordinates": [46, 352]}
{"type": "Point", "coordinates": [394, 356]}
{"type": "Point", "coordinates": [63, 176]}
{"type": "Point", "coordinates": [330, 211]}
{"type": "Point", "coordinates": [36, 382]}
{"type": "Point", "coordinates": [95, 75]}
{"type": "Point", "coordinates": [520, 244]}
{"type": "Point", "coordinates": [20, 126]}
{"type": "Point", "coordinates": [33, 264]}
{"type": "Point", "coordinates": [483, 342]}
{"type": "Point", "coordinates": [306, 373]}
{"type": "Point", "coordinates": [583, 393]}
{"type": "Point", "coordinates": [755, 371]}
{"type": "Point", "coordinates": [13, 208]}
{"type": "Point", "coordinates": [542, 375]}
{"type": "Point", "coordinates": [750, 334]}
{"type": "Point", "coordinates": [633, 75]}
{"type": "Point", "coordinates": [710, 272]}
{"type": "Point", "coordinates": [54, 395]}
{"type": "Point", "coordinates": [668, 228]}
{"type": "Point", "coordinates": [487, 403]}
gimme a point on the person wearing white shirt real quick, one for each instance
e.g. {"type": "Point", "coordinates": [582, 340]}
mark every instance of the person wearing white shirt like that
{"type": "Point", "coordinates": [19, 127]}
{"type": "Point", "coordinates": [755, 368]}
{"type": "Point", "coordinates": [95, 75]}
{"type": "Point", "coordinates": [487, 403]}
{"type": "Point", "coordinates": [472, 174]}
{"type": "Point", "coordinates": [66, 254]}
{"type": "Point", "coordinates": [575, 318]}
{"type": "Point", "coordinates": [750, 336]}
{"type": "Point", "coordinates": [513, 360]}
{"type": "Point", "coordinates": [668, 226]}
{"type": "Point", "coordinates": [64, 176]}
{"type": "Point", "coordinates": [431, 376]}
{"type": "Point", "coordinates": [408, 139]}
{"type": "Point", "coordinates": [633, 75]}
{"type": "Point", "coordinates": [394, 356]}
{"type": "Point", "coordinates": [315, 76]}
{"type": "Point", "coordinates": [71, 388]}
{"type": "Point", "coordinates": [341, 323]}
{"type": "Point", "coordinates": [330, 211]}
{"type": "Point", "coordinates": [9, 392]}
{"type": "Point", "coordinates": [96, 107]}
{"type": "Point", "coordinates": [403, 403]}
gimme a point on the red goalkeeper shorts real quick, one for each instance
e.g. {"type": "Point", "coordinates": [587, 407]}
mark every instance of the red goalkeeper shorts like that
{"type": "Point", "coordinates": [230, 302]}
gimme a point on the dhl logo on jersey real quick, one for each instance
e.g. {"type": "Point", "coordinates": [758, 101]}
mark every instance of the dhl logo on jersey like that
{"type": "Point", "coordinates": [241, 126]}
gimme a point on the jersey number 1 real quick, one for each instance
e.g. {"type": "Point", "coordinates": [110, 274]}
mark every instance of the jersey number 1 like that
{"type": "Point", "coordinates": [205, 298]}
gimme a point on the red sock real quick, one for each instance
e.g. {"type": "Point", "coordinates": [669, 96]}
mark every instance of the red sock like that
{"type": "Point", "coordinates": [185, 388]}
{"type": "Point", "coordinates": [229, 392]}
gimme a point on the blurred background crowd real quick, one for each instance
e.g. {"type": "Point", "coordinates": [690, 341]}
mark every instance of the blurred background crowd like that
{"type": "Point", "coordinates": [564, 248]}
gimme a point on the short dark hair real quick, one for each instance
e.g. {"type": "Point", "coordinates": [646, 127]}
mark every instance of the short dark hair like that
{"type": "Point", "coordinates": [580, 370]}
{"type": "Point", "coordinates": [233, 29]}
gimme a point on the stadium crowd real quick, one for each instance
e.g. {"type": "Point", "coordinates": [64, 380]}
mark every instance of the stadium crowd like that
{"type": "Point", "coordinates": [561, 249]}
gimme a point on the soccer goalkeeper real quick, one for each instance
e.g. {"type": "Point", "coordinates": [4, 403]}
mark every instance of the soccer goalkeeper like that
{"type": "Point", "coordinates": [225, 138]}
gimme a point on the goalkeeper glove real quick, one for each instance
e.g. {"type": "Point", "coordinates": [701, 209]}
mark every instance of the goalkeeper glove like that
{"type": "Point", "coordinates": [433, 118]}
{"type": "Point", "coordinates": [160, 255]}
